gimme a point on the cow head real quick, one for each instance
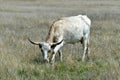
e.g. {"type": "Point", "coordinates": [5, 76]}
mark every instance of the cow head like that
{"type": "Point", "coordinates": [45, 48]}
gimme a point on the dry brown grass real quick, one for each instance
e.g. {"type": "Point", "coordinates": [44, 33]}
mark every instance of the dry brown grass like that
{"type": "Point", "coordinates": [19, 60]}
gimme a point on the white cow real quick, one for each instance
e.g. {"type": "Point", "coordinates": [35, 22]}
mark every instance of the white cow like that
{"type": "Point", "coordinates": [67, 30]}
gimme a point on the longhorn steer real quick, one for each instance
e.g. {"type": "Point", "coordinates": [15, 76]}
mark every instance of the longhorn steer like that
{"type": "Point", "coordinates": [67, 30]}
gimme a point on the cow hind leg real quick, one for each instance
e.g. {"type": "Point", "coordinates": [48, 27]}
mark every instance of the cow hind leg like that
{"type": "Point", "coordinates": [85, 49]}
{"type": "Point", "coordinates": [88, 51]}
{"type": "Point", "coordinates": [60, 55]}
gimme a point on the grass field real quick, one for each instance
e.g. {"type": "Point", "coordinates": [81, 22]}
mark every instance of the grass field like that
{"type": "Point", "coordinates": [20, 60]}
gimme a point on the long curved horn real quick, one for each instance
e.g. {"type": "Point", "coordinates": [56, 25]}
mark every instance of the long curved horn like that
{"type": "Point", "coordinates": [55, 44]}
{"type": "Point", "coordinates": [35, 43]}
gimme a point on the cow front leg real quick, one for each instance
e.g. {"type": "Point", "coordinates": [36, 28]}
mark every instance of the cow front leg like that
{"type": "Point", "coordinates": [53, 58]}
{"type": "Point", "coordinates": [57, 49]}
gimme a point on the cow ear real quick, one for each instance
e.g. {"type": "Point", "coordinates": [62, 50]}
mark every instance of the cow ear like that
{"type": "Point", "coordinates": [35, 43]}
{"type": "Point", "coordinates": [40, 45]}
{"type": "Point", "coordinates": [53, 45]}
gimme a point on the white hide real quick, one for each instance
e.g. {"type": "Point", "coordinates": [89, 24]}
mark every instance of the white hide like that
{"type": "Point", "coordinates": [72, 30]}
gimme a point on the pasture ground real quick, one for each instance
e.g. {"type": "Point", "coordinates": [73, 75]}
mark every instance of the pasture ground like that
{"type": "Point", "coordinates": [20, 60]}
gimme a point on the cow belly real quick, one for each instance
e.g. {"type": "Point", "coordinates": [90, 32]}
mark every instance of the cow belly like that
{"type": "Point", "coordinates": [72, 37]}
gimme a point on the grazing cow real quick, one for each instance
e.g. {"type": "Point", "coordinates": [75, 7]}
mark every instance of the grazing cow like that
{"type": "Point", "coordinates": [67, 30]}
